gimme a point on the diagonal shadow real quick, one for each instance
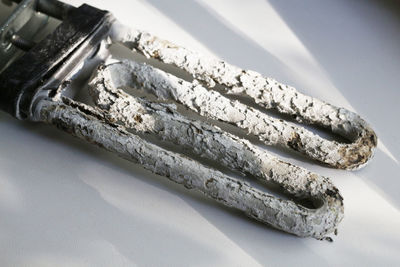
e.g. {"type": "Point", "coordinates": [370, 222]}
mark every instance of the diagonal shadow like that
{"type": "Point", "coordinates": [356, 43]}
{"type": "Point", "coordinates": [215, 34]}
{"type": "Point", "coordinates": [358, 49]}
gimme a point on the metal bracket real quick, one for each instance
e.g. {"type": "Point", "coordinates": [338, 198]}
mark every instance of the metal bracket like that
{"type": "Point", "coordinates": [51, 60]}
{"type": "Point", "coordinates": [24, 21]}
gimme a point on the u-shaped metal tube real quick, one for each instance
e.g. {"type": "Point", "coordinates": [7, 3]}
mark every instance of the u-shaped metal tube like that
{"type": "Point", "coordinates": [118, 119]}
{"type": "Point", "coordinates": [265, 92]}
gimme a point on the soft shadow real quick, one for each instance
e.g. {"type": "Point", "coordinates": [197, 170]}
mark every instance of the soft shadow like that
{"type": "Point", "coordinates": [384, 173]}
{"type": "Point", "coordinates": [356, 43]}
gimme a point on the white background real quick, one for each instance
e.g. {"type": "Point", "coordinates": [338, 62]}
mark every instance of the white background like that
{"type": "Point", "coordinates": [66, 203]}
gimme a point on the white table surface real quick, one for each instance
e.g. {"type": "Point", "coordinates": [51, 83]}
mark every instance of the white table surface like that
{"type": "Point", "coordinates": [67, 203]}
